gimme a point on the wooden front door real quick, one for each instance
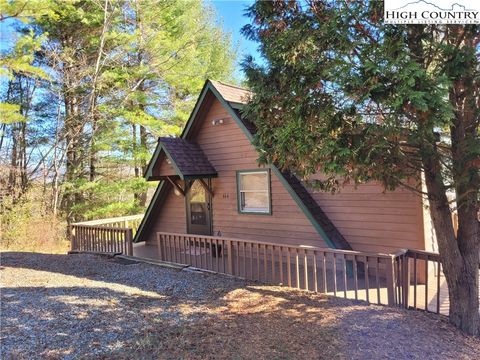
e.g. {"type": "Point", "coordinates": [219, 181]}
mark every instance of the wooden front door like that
{"type": "Point", "coordinates": [198, 202]}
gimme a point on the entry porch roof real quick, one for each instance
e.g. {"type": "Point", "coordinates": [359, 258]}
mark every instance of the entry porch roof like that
{"type": "Point", "coordinates": [185, 157]}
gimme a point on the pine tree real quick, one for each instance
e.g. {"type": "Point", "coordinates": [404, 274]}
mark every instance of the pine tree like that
{"type": "Point", "coordinates": [120, 74]}
{"type": "Point", "coordinates": [347, 95]}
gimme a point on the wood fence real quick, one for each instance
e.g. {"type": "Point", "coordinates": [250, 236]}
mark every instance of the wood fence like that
{"type": "Point", "coordinates": [411, 279]}
{"type": "Point", "coordinates": [95, 238]}
{"type": "Point", "coordinates": [420, 283]}
{"type": "Point", "coordinates": [114, 235]}
{"type": "Point", "coordinates": [349, 274]}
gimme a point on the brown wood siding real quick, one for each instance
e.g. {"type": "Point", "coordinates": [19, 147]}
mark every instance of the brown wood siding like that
{"type": "Point", "coordinates": [171, 216]}
{"type": "Point", "coordinates": [163, 168]}
{"type": "Point", "coordinates": [229, 150]}
{"type": "Point", "coordinates": [371, 220]}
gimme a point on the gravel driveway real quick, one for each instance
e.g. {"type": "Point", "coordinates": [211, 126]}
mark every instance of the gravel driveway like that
{"type": "Point", "coordinates": [85, 306]}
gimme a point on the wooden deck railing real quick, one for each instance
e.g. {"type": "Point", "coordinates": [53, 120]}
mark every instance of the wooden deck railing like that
{"type": "Point", "coordinates": [96, 238]}
{"type": "Point", "coordinates": [420, 283]}
{"type": "Point", "coordinates": [409, 279]}
{"type": "Point", "coordinates": [131, 221]}
{"type": "Point", "coordinates": [349, 274]}
{"type": "Point", "coordinates": [412, 279]}
{"type": "Point", "coordinates": [114, 235]}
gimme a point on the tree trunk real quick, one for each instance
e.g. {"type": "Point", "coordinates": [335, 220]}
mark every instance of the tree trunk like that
{"type": "Point", "coordinates": [134, 151]}
{"type": "Point", "coordinates": [142, 197]}
{"type": "Point", "coordinates": [12, 176]}
{"type": "Point", "coordinates": [459, 253]}
{"type": "Point", "coordinates": [464, 302]}
{"type": "Point", "coordinates": [143, 145]}
{"type": "Point", "coordinates": [463, 295]}
{"type": "Point", "coordinates": [74, 132]}
{"type": "Point", "coordinates": [93, 151]}
{"type": "Point", "coordinates": [459, 256]}
{"type": "Point", "coordinates": [23, 158]}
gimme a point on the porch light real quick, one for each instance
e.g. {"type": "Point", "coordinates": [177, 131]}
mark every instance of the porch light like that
{"type": "Point", "coordinates": [176, 191]}
{"type": "Point", "coordinates": [217, 122]}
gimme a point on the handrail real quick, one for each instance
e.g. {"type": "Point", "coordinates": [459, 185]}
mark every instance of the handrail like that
{"type": "Point", "coordinates": [110, 220]}
{"type": "Point", "coordinates": [431, 255]}
{"type": "Point", "coordinates": [105, 235]}
{"type": "Point", "coordinates": [92, 238]}
{"type": "Point", "coordinates": [399, 252]}
{"type": "Point", "coordinates": [355, 274]}
{"type": "Point", "coordinates": [98, 227]}
{"type": "Point", "coordinates": [414, 270]}
{"type": "Point", "coordinates": [299, 247]}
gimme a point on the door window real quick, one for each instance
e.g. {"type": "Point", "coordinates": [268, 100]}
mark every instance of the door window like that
{"type": "Point", "coordinates": [198, 204]}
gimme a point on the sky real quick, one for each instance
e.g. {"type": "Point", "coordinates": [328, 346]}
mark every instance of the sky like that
{"type": "Point", "coordinates": [230, 14]}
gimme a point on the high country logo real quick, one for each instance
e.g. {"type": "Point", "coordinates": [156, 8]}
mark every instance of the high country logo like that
{"type": "Point", "coordinates": [432, 12]}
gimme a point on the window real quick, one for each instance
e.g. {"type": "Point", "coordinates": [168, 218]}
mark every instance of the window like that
{"type": "Point", "coordinates": [198, 204]}
{"type": "Point", "coordinates": [253, 191]}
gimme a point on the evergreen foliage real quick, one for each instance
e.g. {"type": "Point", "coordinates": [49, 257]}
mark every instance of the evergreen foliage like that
{"type": "Point", "coordinates": [358, 100]}
{"type": "Point", "coordinates": [88, 86]}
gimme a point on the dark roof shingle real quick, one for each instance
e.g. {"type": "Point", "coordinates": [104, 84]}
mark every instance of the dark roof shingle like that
{"type": "Point", "coordinates": [315, 209]}
{"type": "Point", "coordinates": [187, 156]}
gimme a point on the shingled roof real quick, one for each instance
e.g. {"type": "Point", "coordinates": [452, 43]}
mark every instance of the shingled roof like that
{"type": "Point", "coordinates": [187, 158]}
{"type": "Point", "coordinates": [232, 93]}
{"type": "Point", "coordinates": [317, 213]}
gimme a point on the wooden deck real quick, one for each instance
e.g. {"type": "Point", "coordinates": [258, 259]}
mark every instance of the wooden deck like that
{"type": "Point", "coordinates": [114, 235]}
{"type": "Point", "coordinates": [353, 275]}
{"type": "Point", "coordinates": [340, 284]}
{"type": "Point", "coordinates": [372, 277]}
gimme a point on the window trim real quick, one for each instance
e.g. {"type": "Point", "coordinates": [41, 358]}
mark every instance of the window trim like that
{"type": "Point", "coordinates": [269, 192]}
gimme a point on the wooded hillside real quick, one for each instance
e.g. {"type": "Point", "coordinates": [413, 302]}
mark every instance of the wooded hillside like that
{"type": "Point", "coordinates": [87, 87]}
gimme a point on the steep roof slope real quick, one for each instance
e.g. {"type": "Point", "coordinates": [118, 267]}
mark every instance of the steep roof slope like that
{"type": "Point", "coordinates": [236, 94]}
{"type": "Point", "coordinates": [232, 93]}
{"type": "Point", "coordinates": [185, 156]}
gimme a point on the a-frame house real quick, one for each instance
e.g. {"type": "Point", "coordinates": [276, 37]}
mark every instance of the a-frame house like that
{"type": "Point", "coordinates": [211, 184]}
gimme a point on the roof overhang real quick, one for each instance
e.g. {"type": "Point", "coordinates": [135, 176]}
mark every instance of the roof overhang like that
{"type": "Point", "coordinates": [186, 158]}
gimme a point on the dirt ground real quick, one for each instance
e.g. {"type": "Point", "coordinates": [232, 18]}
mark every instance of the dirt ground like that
{"type": "Point", "coordinates": [85, 306]}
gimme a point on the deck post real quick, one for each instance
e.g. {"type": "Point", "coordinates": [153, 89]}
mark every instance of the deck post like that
{"type": "Point", "coordinates": [159, 247]}
{"type": "Point", "coordinates": [390, 281]}
{"type": "Point", "coordinates": [406, 279]}
{"type": "Point", "coordinates": [230, 256]}
{"type": "Point", "coordinates": [128, 241]}
{"type": "Point", "coordinates": [71, 232]}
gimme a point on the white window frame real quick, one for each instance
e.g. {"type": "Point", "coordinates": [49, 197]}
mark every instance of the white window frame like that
{"type": "Point", "coordinates": [241, 210]}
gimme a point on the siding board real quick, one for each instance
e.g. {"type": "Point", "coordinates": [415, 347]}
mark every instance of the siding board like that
{"type": "Point", "coordinates": [164, 168]}
{"type": "Point", "coordinates": [171, 217]}
{"type": "Point", "coordinates": [229, 150]}
{"type": "Point", "coordinates": [372, 219]}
